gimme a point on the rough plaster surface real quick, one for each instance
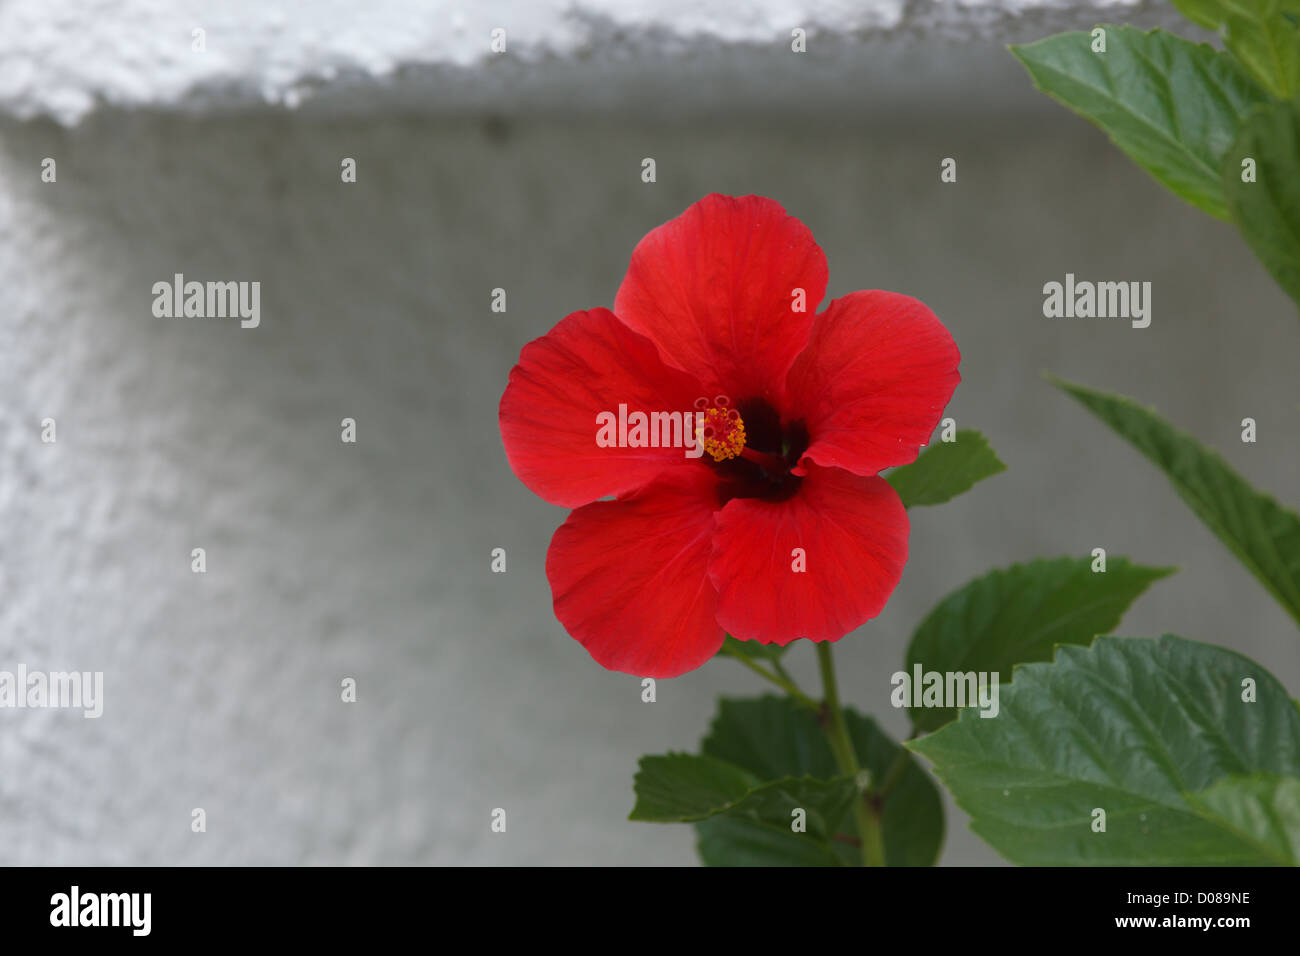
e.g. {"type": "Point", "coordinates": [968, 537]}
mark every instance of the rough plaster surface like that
{"type": "Point", "coordinates": [66, 60]}
{"type": "Point", "coordinates": [328, 560]}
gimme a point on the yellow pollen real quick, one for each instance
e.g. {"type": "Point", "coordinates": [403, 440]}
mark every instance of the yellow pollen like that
{"type": "Point", "coordinates": [721, 433]}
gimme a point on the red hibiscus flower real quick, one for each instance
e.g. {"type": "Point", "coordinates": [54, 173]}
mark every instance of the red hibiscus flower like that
{"type": "Point", "coordinates": [783, 528]}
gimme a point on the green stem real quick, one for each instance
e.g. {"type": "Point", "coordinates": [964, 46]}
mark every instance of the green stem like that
{"type": "Point", "coordinates": [892, 775]}
{"type": "Point", "coordinates": [866, 811]}
{"type": "Point", "coordinates": [782, 681]}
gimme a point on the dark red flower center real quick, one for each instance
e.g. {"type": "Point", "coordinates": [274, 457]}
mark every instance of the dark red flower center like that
{"type": "Point", "coordinates": [760, 467]}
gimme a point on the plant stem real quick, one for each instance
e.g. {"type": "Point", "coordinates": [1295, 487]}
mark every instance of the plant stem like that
{"type": "Point", "coordinates": [780, 669]}
{"type": "Point", "coordinates": [865, 810]}
{"type": "Point", "coordinates": [782, 681]}
{"type": "Point", "coordinates": [892, 776]}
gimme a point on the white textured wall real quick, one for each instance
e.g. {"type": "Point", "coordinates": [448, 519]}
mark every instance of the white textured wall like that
{"type": "Point", "coordinates": [328, 560]}
{"type": "Point", "coordinates": [67, 58]}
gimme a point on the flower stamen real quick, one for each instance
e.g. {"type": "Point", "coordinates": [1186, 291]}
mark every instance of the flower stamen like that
{"type": "Point", "coordinates": [721, 432]}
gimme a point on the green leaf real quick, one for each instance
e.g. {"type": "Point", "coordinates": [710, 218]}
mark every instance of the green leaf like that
{"type": "Point", "coordinates": [683, 788]}
{"type": "Point", "coordinates": [1263, 34]}
{"type": "Point", "coordinates": [680, 787]}
{"type": "Point", "coordinates": [1264, 809]}
{"type": "Point", "coordinates": [945, 470]}
{"type": "Point", "coordinates": [1263, 535]}
{"type": "Point", "coordinates": [824, 803]}
{"type": "Point", "coordinates": [1132, 726]}
{"type": "Point", "coordinates": [1172, 106]}
{"type": "Point", "coordinates": [1018, 615]}
{"type": "Point", "coordinates": [751, 650]}
{"type": "Point", "coordinates": [1268, 210]}
{"type": "Point", "coordinates": [736, 841]}
{"type": "Point", "coordinates": [770, 737]}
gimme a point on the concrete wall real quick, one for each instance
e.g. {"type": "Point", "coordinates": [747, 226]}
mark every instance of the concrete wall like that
{"type": "Point", "coordinates": [328, 560]}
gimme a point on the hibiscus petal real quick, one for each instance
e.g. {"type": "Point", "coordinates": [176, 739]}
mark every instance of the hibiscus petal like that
{"type": "Point", "coordinates": [873, 382]}
{"type": "Point", "coordinates": [588, 364]}
{"type": "Point", "coordinates": [714, 289]}
{"type": "Point", "coordinates": [853, 533]}
{"type": "Point", "coordinates": [630, 577]}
